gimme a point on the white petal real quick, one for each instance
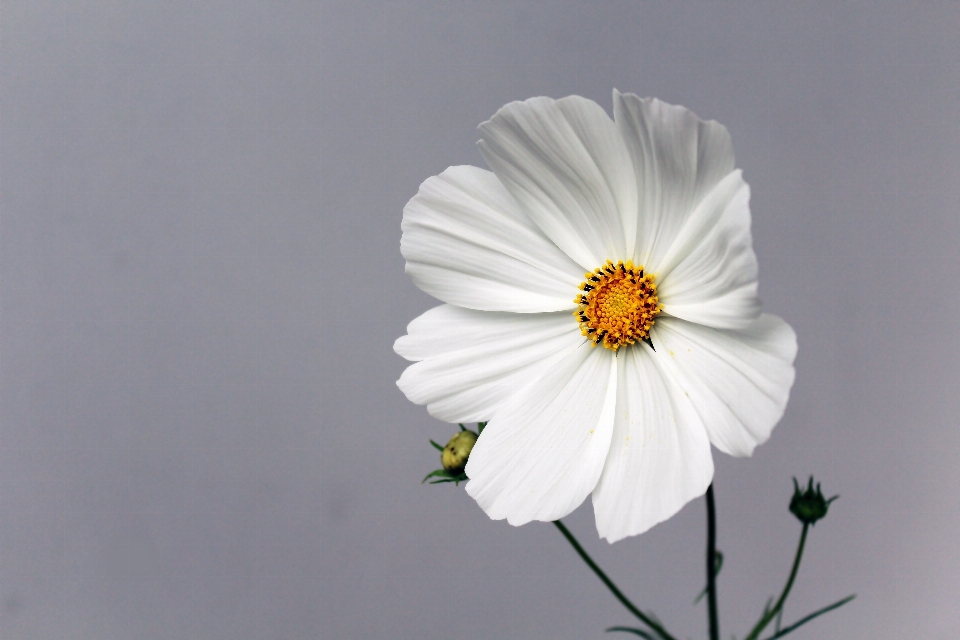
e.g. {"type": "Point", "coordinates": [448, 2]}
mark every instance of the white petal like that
{"type": "Point", "coordinates": [678, 159]}
{"type": "Point", "coordinates": [659, 455]}
{"type": "Point", "coordinates": [738, 380]}
{"type": "Point", "coordinates": [467, 243]}
{"type": "Point", "coordinates": [543, 452]}
{"type": "Point", "coordinates": [471, 361]}
{"type": "Point", "coordinates": [568, 167]}
{"type": "Point", "coordinates": [709, 274]}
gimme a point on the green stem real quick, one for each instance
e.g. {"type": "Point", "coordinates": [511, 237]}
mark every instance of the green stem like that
{"type": "Point", "coordinates": [712, 615]}
{"type": "Point", "coordinates": [610, 585]}
{"type": "Point", "coordinates": [769, 615]}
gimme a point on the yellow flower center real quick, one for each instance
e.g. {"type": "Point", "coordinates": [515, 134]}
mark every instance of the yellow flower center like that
{"type": "Point", "coordinates": [618, 305]}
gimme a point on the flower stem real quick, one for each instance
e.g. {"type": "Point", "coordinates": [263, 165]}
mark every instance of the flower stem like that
{"type": "Point", "coordinates": [713, 617]}
{"type": "Point", "coordinates": [610, 585]}
{"type": "Point", "coordinates": [769, 615]}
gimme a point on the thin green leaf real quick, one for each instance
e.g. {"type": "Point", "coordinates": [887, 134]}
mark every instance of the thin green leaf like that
{"type": "Point", "coordinates": [634, 631]}
{"type": "Point", "coordinates": [815, 614]}
{"type": "Point", "coordinates": [446, 476]}
{"type": "Point", "coordinates": [462, 428]}
{"type": "Point", "coordinates": [480, 427]}
{"type": "Point", "coordinates": [438, 447]}
{"type": "Point", "coordinates": [766, 607]}
{"type": "Point", "coordinates": [716, 572]}
{"type": "Point", "coordinates": [439, 472]}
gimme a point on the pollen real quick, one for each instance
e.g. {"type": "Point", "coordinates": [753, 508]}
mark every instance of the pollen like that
{"type": "Point", "coordinates": [618, 305]}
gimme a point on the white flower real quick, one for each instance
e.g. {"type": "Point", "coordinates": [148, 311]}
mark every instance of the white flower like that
{"type": "Point", "coordinates": [650, 206]}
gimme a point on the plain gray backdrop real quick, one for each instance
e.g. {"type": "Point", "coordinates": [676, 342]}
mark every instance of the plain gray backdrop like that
{"type": "Point", "coordinates": [201, 286]}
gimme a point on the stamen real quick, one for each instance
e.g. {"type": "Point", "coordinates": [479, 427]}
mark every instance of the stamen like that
{"type": "Point", "coordinates": [620, 307]}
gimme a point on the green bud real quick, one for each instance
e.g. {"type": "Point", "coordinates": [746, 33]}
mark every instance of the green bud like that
{"type": "Point", "coordinates": [454, 455]}
{"type": "Point", "coordinates": [809, 505]}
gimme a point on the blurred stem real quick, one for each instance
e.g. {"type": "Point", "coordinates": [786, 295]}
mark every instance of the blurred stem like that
{"type": "Point", "coordinates": [610, 585]}
{"type": "Point", "coordinates": [713, 617]}
{"type": "Point", "coordinates": [771, 614]}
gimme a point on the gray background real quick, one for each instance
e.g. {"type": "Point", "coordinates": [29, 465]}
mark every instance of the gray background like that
{"type": "Point", "coordinates": [201, 285]}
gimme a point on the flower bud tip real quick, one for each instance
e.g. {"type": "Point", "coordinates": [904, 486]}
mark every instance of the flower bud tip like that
{"type": "Point", "coordinates": [809, 505]}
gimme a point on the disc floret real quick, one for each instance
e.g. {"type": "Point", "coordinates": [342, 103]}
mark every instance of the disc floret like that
{"type": "Point", "coordinates": [618, 305]}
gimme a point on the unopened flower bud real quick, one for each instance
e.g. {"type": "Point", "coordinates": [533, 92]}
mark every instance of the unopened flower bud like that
{"type": "Point", "coordinates": [809, 505]}
{"type": "Point", "coordinates": [454, 455]}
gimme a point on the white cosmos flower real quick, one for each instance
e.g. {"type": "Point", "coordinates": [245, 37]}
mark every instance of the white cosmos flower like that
{"type": "Point", "coordinates": [650, 206]}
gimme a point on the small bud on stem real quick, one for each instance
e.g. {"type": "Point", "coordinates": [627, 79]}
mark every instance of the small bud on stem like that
{"type": "Point", "coordinates": [809, 505]}
{"type": "Point", "coordinates": [454, 455]}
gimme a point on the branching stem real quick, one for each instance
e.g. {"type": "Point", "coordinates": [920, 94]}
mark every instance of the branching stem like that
{"type": "Point", "coordinates": [610, 585]}
{"type": "Point", "coordinates": [771, 614]}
